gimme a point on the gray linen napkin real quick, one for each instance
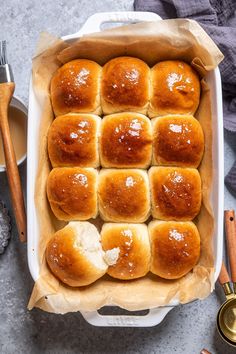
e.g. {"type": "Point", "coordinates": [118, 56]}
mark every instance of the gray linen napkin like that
{"type": "Point", "coordinates": [215, 16]}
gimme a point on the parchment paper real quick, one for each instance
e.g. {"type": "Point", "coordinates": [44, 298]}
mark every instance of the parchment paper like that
{"type": "Point", "coordinates": [152, 42]}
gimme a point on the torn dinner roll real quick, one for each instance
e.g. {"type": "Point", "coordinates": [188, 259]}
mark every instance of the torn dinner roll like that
{"type": "Point", "coordinates": [74, 254]}
{"type": "Point", "coordinates": [127, 250]}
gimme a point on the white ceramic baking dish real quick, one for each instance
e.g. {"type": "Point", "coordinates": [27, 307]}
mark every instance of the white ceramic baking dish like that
{"type": "Point", "coordinates": [156, 315]}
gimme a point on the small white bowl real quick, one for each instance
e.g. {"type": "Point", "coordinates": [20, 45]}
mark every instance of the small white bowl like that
{"type": "Point", "coordinates": [17, 103]}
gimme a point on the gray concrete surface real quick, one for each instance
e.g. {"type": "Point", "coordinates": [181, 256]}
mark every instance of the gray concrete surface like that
{"type": "Point", "coordinates": [186, 329]}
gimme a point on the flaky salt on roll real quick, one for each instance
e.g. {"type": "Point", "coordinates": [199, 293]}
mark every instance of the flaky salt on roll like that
{"type": "Point", "coordinates": [72, 193]}
{"type": "Point", "coordinates": [127, 250]}
{"type": "Point", "coordinates": [75, 256]}
{"type": "Point", "coordinates": [175, 248]}
{"type": "Point", "coordinates": [175, 193]}
{"type": "Point", "coordinates": [75, 87]}
{"type": "Point", "coordinates": [73, 140]}
{"type": "Point", "coordinates": [125, 85]}
{"type": "Point", "coordinates": [175, 89]}
{"type": "Point", "coordinates": [124, 195]}
{"type": "Point", "coordinates": [177, 140]}
{"type": "Point", "coordinates": [126, 141]}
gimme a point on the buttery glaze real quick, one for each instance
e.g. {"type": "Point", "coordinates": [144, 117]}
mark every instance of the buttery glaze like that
{"type": "Point", "coordinates": [123, 195]}
{"type": "Point", "coordinates": [134, 254]}
{"type": "Point", "coordinates": [125, 83]}
{"type": "Point", "coordinates": [175, 88]}
{"type": "Point", "coordinates": [74, 87]}
{"type": "Point", "coordinates": [178, 141]}
{"type": "Point", "coordinates": [175, 248]}
{"type": "Point", "coordinates": [18, 129]}
{"type": "Point", "coordinates": [72, 193]}
{"type": "Point", "coordinates": [176, 193]}
{"type": "Point", "coordinates": [72, 141]}
{"type": "Point", "coordinates": [126, 141]}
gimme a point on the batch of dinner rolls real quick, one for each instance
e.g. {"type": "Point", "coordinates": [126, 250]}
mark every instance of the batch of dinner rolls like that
{"type": "Point", "coordinates": [124, 147]}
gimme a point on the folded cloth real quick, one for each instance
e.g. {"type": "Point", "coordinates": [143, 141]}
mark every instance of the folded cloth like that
{"type": "Point", "coordinates": [218, 18]}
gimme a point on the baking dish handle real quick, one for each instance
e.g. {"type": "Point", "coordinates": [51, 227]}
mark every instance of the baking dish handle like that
{"type": "Point", "coordinates": [94, 22]}
{"type": "Point", "coordinates": [152, 318]}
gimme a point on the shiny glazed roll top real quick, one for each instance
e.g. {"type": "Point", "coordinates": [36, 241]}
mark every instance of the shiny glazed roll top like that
{"type": "Point", "coordinates": [75, 87]}
{"type": "Point", "coordinates": [175, 248]}
{"type": "Point", "coordinates": [72, 193]}
{"type": "Point", "coordinates": [175, 89]}
{"type": "Point", "coordinates": [125, 86]}
{"type": "Point", "coordinates": [73, 140]}
{"type": "Point", "coordinates": [126, 141]}
{"type": "Point", "coordinates": [123, 195]}
{"type": "Point", "coordinates": [178, 141]}
{"type": "Point", "coordinates": [175, 193]}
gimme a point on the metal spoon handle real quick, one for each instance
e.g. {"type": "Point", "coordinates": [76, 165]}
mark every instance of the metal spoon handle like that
{"type": "Point", "coordinates": [230, 229]}
{"type": "Point", "coordinates": [224, 280]}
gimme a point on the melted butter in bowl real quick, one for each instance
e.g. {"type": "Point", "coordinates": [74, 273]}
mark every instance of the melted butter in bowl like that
{"type": "Point", "coordinates": [17, 117]}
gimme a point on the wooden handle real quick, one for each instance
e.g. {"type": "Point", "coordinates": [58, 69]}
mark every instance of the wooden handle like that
{"type": "Point", "coordinates": [230, 230]}
{"type": "Point", "coordinates": [6, 92]}
{"type": "Point", "coordinates": [224, 275]}
{"type": "Point", "coordinates": [204, 351]}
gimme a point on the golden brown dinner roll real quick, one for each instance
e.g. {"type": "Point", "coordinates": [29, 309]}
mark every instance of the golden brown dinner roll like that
{"type": "Point", "coordinates": [73, 141]}
{"type": "Point", "coordinates": [123, 195]}
{"type": "Point", "coordinates": [72, 193]}
{"type": "Point", "coordinates": [175, 89]}
{"type": "Point", "coordinates": [175, 193]}
{"type": "Point", "coordinates": [177, 140]}
{"type": "Point", "coordinates": [125, 86]}
{"type": "Point", "coordinates": [175, 248]}
{"type": "Point", "coordinates": [74, 254]}
{"type": "Point", "coordinates": [126, 140]}
{"type": "Point", "coordinates": [127, 250]}
{"type": "Point", "coordinates": [75, 87]}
